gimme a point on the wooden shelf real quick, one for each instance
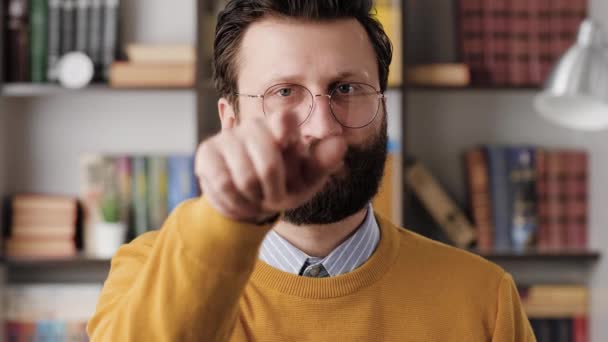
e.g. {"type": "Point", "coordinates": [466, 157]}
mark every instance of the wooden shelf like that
{"type": "Point", "coordinates": [29, 89]}
{"type": "Point", "coordinates": [566, 256]}
{"type": "Point", "coordinates": [474, 88]}
{"type": "Point", "coordinates": [63, 270]}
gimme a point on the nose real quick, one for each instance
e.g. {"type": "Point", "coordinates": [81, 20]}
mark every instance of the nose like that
{"type": "Point", "coordinates": [321, 122]}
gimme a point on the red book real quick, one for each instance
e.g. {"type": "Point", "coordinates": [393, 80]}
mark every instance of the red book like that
{"type": "Point", "coordinates": [581, 329]}
{"type": "Point", "coordinates": [519, 37]}
{"type": "Point", "coordinates": [575, 183]}
{"type": "Point", "coordinates": [496, 38]}
{"type": "Point", "coordinates": [546, 39]}
{"type": "Point", "coordinates": [573, 14]}
{"type": "Point", "coordinates": [558, 22]}
{"type": "Point", "coordinates": [479, 197]}
{"type": "Point", "coordinates": [534, 42]}
{"type": "Point", "coordinates": [471, 37]}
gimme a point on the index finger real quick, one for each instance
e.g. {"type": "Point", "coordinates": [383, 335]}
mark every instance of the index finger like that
{"type": "Point", "coordinates": [285, 128]}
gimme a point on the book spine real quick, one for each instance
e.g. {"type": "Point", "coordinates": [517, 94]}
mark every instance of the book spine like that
{"type": "Point", "coordinates": [67, 26]}
{"type": "Point", "coordinates": [140, 195]}
{"type": "Point", "coordinates": [440, 206]}
{"type": "Point", "coordinates": [124, 177]}
{"type": "Point", "coordinates": [575, 183]}
{"type": "Point", "coordinates": [471, 37]}
{"type": "Point", "coordinates": [157, 191]}
{"type": "Point", "coordinates": [581, 329]}
{"type": "Point", "coordinates": [555, 203]}
{"type": "Point", "coordinates": [499, 189]}
{"type": "Point", "coordinates": [38, 40]}
{"type": "Point", "coordinates": [522, 197]}
{"type": "Point", "coordinates": [110, 35]}
{"type": "Point", "coordinates": [534, 42]}
{"type": "Point", "coordinates": [53, 38]}
{"type": "Point", "coordinates": [519, 54]}
{"type": "Point", "coordinates": [542, 236]}
{"type": "Point", "coordinates": [17, 42]}
{"type": "Point", "coordinates": [479, 197]}
{"type": "Point", "coordinates": [82, 25]}
{"type": "Point", "coordinates": [182, 182]}
{"type": "Point", "coordinates": [546, 38]}
{"type": "Point", "coordinates": [558, 25]}
{"type": "Point", "coordinates": [95, 36]}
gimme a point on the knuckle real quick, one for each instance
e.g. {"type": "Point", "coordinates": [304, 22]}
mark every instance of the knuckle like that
{"type": "Point", "coordinates": [224, 184]}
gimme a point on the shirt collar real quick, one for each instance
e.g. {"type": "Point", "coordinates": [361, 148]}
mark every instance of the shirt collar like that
{"type": "Point", "coordinates": [350, 254]}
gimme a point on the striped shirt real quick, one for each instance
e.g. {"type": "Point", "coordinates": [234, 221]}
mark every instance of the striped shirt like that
{"type": "Point", "coordinates": [350, 254]}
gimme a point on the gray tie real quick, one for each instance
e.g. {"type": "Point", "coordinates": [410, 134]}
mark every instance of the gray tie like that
{"type": "Point", "coordinates": [315, 271]}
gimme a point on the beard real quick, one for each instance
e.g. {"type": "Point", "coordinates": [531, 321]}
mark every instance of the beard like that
{"type": "Point", "coordinates": [344, 195]}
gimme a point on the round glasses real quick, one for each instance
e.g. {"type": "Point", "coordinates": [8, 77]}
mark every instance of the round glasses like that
{"type": "Point", "coordinates": [353, 105]}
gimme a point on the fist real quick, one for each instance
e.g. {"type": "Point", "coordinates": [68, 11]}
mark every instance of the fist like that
{"type": "Point", "coordinates": [262, 167]}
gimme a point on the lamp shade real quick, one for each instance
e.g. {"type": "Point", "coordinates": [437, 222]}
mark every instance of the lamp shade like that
{"type": "Point", "coordinates": [576, 93]}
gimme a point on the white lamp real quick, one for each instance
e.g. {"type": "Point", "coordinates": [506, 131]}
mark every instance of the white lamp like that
{"type": "Point", "coordinates": [576, 93]}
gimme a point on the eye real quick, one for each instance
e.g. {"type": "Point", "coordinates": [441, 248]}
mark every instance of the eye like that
{"type": "Point", "coordinates": [284, 92]}
{"type": "Point", "coordinates": [345, 88]}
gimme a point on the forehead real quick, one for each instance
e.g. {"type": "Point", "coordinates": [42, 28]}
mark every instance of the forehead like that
{"type": "Point", "coordinates": [275, 50]}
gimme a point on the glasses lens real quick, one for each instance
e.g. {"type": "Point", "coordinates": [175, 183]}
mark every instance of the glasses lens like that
{"type": "Point", "coordinates": [288, 99]}
{"type": "Point", "coordinates": [355, 104]}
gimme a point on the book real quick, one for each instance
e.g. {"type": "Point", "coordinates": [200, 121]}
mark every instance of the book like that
{"type": "Point", "coordinates": [480, 197]}
{"type": "Point", "coordinates": [522, 197]}
{"type": "Point", "coordinates": [110, 35]}
{"type": "Point", "coordinates": [130, 75]}
{"type": "Point", "coordinates": [448, 75]}
{"type": "Point", "coordinates": [53, 38]}
{"type": "Point", "coordinates": [161, 54]}
{"type": "Point", "coordinates": [496, 38]}
{"type": "Point", "coordinates": [17, 41]}
{"type": "Point", "coordinates": [534, 9]}
{"type": "Point", "coordinates": [82, 25]}
{"type": "Point", "coordinates": [95, 36]}
{"type": "Point", "coordinates": [67, 26]}
{"type": "Point", "coordinates": [182, 182]}
{"type": "Point", "coordinates": [157, 191]}
{"type": "Point", "coordinates": [49, 312]}
{"type": "Point", "coordinates": [471, 38]}
{"type": "Point", "coordinates": [519, 38]}
{"type": "Point", "coordinates": [140, 195]}
{"type": "Point", "coordinates": [499, 190]}
{"type": "Point", "coordinates": [38, 40]}
{"type": "Point", "coordinates": [441, 207]}
{"type": "Point", "coordinates": [555, 204]}
{"type": "Point", "coordinates": [575, 198]}
{"type": "Point", "coordinates": [42, 226]}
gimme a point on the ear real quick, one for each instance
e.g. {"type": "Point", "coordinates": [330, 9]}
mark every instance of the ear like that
{"type": "Point", "coordinates": [227, 113]}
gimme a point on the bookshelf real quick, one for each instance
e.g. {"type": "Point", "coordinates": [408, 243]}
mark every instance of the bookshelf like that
{"type": "Point", "coordinates": [439, 123]}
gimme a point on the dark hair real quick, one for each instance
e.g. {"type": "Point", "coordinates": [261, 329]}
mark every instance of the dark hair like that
{"type": "Point", "coordinates": [239, 14]}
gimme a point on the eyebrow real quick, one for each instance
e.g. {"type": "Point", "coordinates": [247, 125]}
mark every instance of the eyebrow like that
{"type": "Point", "coordinates": [298, 79]}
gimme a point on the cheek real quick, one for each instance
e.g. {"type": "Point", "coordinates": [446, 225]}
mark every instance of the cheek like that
{"type": "Point", "coordinates": [363, 136]}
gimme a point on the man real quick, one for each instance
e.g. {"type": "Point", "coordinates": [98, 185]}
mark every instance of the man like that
{"type": "Point", "coordinates": [284, 245]}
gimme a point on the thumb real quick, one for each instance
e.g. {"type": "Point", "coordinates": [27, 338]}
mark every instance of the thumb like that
{"type": "Point", "coordinates": [326, 157]}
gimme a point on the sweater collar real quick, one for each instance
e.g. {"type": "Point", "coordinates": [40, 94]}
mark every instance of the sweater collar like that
{"type": "Point", "coordinates": [377, 265]}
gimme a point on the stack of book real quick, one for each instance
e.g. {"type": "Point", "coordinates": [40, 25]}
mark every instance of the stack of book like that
{"type": "Point", "coordinates": [155, 66]}
{"type": "Point", "coordinates": [42, 227]}
{"type": "Point", "coordinates": [39, 32]}
{"type": "Point", "coordinates": [525, 197]}
{"type": "Point", "coordinates": [517, 42]}
{"type": "Point", "coordinates": [139, 191]}
{"type": "Point", "coordinates": [558, 313]}
{"type": "Point", "coordinates": [49, 312]}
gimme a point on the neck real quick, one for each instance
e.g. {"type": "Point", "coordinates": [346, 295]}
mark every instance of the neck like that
{"type": "Point", "coordinates": [319, 240]}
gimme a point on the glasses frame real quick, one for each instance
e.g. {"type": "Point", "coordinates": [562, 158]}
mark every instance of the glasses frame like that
{"type": "Point", "coordinates": [380, 95]}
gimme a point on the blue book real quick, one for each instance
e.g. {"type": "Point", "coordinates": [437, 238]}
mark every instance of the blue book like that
{"type": "Point", "coordinates": [522, 196]}
{"type": "Point", "coordinates": [499, 192]}
{"type": "Point", "coordinates": [182, 181]}
{"type": "Point", "coordinates": [140, 194]}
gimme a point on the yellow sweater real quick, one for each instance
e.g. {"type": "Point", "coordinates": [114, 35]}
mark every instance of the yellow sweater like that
{"type": "Point", "coordinates": [199, 279]}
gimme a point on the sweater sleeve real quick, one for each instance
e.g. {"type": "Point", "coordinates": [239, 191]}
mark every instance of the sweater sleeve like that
{"type": "Point", "coordinates": [512, 324]}
{"type": "Point", "coordinates": [182, 283]}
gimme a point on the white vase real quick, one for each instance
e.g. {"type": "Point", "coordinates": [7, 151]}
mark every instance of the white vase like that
{"type": "Point", "coordinates": [107, 238]}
